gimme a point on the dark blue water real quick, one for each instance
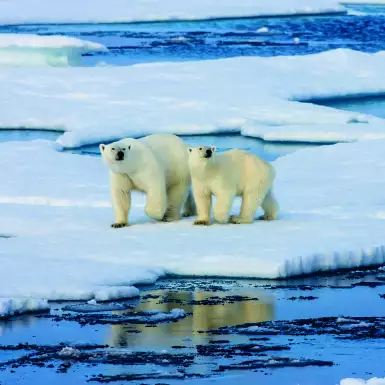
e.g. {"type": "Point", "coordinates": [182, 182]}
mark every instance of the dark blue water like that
{"type": "Point", "coordinates": [179, 41]}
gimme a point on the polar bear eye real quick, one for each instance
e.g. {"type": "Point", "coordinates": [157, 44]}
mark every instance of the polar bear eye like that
{"type": "Point", "coordinates": [200, 149]}
{"type": "Point", "coordinates": [113, 149]}
{"type": "Point", "coordinates": [129, 147]}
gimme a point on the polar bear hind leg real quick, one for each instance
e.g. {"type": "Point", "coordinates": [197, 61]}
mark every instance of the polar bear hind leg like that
{"type": "Point", "coordinates": [189, 207]}
{"type": "Point", "coordinates": [270, 207]}
{"type": "Point", "coordinates": [176, 196]}
{"type": "Point", "coordinates": [249, 207]}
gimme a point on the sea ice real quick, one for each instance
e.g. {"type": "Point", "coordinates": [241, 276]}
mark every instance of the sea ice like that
{"type": "Point", "coordinates": [114, 11]}
{"type": "Point", "coordinates": [254, 96]}
{"type": "Point", "coordinates": [357, 381]}
{"type": "Point", "coordinates": [34, 50]}
{"type": "Point", "coordinates": [332, 216]}
{"type": "Point", "coordinates": [10, 307]}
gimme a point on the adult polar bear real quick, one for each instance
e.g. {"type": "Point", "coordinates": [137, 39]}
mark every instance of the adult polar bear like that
{"type": "Point", "coordinates": [156, 165]}
{"type": "Point", "coordinates": [227, 175]}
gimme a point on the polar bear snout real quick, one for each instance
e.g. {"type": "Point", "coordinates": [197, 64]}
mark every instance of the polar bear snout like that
{"type": "Point", "coordinates": [119, 155]}
{"type": "Point", "coordinates": [208, 153]}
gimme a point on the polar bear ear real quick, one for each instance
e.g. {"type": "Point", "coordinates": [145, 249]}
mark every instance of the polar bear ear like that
{"type": "Point", "coordinates": [102, 147]}
{"type": "Point", "coordinates": [213, 148]}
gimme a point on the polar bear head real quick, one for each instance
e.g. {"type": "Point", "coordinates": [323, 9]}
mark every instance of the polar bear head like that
{"type": "Point", "coordinates": [122, 156]}
{"type": "Point", "coordinates": [201, 154]}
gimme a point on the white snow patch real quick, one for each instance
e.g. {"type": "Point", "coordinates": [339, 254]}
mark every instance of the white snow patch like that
{"type": "Point", "coordinates": [250, 95]}
{"type": "Point", "coordinates": [329, 198]}
{"type": "Point", "coordinates": [357, 381]}
{"type": "Point", "coordinates": [10, 307]}
{"type": "Point", "coordinates": [111, 293]}
{"type": "Point", "coordinates": [92, 11]}
{"type": "Point", "coordinates": [33, 50]}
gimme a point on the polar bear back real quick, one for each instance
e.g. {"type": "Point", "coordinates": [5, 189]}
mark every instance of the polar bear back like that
{"type": "Point", "coordinates": [234, 170]}
{"type": "Point", "coordinates": [171, 155]}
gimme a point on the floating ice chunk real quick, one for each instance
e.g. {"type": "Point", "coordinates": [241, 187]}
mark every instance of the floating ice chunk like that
{"type": "Point", "coordinates": [10, 307]}
{"type": "Point", "coordinates": [34, 50]}
{"type": "Point", "coordinates": [263, 30]}
{"type": "Point", "coordinates": [113, 293]}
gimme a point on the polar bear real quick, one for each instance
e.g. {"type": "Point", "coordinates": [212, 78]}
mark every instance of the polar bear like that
{"type": "Point", "coordinates": [156, 165]}
{"type": "Point", "coordinates": [227, 175]}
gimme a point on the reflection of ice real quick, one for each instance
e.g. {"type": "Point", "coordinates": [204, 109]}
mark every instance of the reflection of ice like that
{"type": "Point", "coordinates": [203, 318]}
{"type": "Point", "coordinates": [23, 322]}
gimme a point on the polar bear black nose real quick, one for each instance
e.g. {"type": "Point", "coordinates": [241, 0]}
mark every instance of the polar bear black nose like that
{"type": "Point", "coordinates": [119, 155]}
{"type": "Point", "coordinates": [209, 153]}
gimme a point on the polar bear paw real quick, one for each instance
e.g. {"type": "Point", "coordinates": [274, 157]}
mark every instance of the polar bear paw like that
{"type": "Point", "coordinates": [170, 218]}
{"type": "Point", "coordinates": [202, 222]}
{"type": "Point", "coordinates": [238, 220]}
{"type": "Point", "coordinates": [266, 217]}
{"type": "Point", "coordinates": [119, 225]}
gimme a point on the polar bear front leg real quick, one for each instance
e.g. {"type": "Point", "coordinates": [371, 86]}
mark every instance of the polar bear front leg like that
{"type": "Point", "coordinates": [223, 204]}
{"type": "Point", "coordinates": [203, 201]}
{"type": "Point", "coordinates": [121, 198]}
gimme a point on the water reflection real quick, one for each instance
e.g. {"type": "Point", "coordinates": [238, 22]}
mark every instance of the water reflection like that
{"type": "Point", "coordinates": [22, 321]}
{"type": "Point", "coordinates": [203, 318]}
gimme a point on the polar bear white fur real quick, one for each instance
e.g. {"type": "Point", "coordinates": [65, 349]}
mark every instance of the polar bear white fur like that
{"type": "Point", "coordinates": [227, 175]}
{"type": "Point", "coordinates": [156, 165]}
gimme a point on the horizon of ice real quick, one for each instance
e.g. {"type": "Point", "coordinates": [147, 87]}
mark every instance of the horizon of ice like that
{"type": "Point", "coordinates": [69, 252]}
{"type": "Point", "coordinates": [254, 96]}
{"type": "Point", "coordinates": [118, 11]}
{"type": "Point", "coordinates": [30, 50]}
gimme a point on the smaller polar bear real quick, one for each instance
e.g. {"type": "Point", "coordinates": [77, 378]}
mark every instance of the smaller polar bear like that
{"type": "Point", "coordinates": [227, 175]}
{"type": "Point", "coordinates": [156, 165]}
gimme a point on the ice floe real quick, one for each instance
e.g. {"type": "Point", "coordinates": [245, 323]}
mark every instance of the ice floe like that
{"type": "Point", "coordinates": [254, 96]}
{"type": "Point", "coordinates": [332, 217]}
{"type": "Point", "coordinates": [15, 306]}
{"type": "Point", "coordinates": [35, 51]}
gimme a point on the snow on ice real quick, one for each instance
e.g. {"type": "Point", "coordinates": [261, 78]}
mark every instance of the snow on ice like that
{"type": "Point", "coordinates": [9, 306]}
{"type": "Point", "coordinates": [333, 216]}
{"type": "Point", "coordinates": [255, 96]}
{"type": "Point", "coordinates": [91, 11]}
{"type": "Point", "coordinates": [34, 50]}
{"type": "Point", "coordinates": [357, 381]}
